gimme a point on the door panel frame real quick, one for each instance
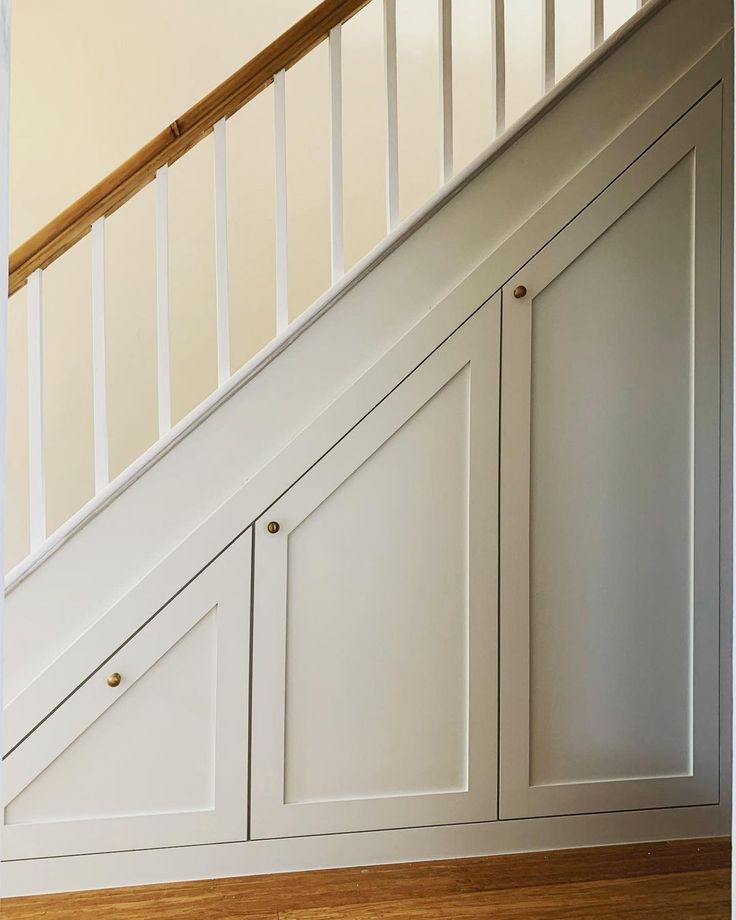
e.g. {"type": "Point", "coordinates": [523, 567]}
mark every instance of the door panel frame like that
{"type": "Point", "coordinates": [476, 343]}
{"type": "Point", "coordinates": [698, 132]}
{"type": "Point", "coordinates": [225, 584]}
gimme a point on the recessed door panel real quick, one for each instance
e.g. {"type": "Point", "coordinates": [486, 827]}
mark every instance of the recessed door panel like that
{"type": "Point", "coordinates": [609, 496]}
{"type": "Point", "coordinates": [151, 750]}
{"type": "Point", "coordinates": [375, 613]}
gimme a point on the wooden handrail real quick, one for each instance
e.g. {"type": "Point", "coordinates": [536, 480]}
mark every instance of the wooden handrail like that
{"type": "Point", "coordinates": [104, 198]}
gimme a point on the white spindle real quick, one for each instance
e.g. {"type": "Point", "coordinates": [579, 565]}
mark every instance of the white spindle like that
{"type": "Point", "coordinates": [596, 22]}
{"type": "Point", "coordinates": [336, 179]}
{"type": "Point", "coordinates": [221, 280]}
{"type": "Point", "coordinates": [282, 252]}
{"type": "Point", "coordinates": [548, 44]}
{"type": "Point", "coordinates": [498, 37]}
{"type": "Point", "coordinates": [99, 360]}
{"type": "Point", "coordinates": [36, 475]}
{"type": "Point", "coordinates": [445, 46]}
{"type": "Point", "coordinates": [392, 114]}
{"type": "Point", "coordinates": [162, 300]}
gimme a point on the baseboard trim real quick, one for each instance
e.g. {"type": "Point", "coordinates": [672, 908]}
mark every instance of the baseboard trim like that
{"type": "Point", "coordinates": [142, 867]}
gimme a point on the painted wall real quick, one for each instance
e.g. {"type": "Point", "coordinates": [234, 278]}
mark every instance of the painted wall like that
{"type": "Point", "coordinates": [94, 81]}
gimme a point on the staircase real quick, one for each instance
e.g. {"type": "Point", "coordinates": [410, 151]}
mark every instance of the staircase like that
{"type": "Point", "coordinates": [151, 164]}
{"type": "Point", "coordinates": [383, 456]}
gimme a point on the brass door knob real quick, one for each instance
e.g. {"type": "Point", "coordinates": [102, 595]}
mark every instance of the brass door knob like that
{"type": "Point", "coordinates": [273, 527]}
{"type": "Point", "coordinates": [113, 680]}
{"type": "Point", "coordinates": [519, 291]}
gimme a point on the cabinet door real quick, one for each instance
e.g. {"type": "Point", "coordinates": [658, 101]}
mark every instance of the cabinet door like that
{"type": "Point", "coordinates": [158, 760]}
{"type": "Point", "coordinates": [375, 613]}
{"type": "Point", "coordinates": [610, 495]}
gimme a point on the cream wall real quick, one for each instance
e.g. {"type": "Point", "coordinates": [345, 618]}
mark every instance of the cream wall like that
{"type": "Point", "coordinates": [93, 80]}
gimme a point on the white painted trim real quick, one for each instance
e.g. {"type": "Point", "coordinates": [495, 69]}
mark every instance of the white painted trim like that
{"type": "Point", "coordinates": [597, 23]}
{"type": "Point", "coordinates": [498, 72]}
{"type": "Point", "coordinates": [548, 45]}
{"type": "Point", "coordinates": [330, 297]}
{"type": "Point", "coordinates": [282, 219]}
{"type": "Point", "coordinates": [392, 116]}
{"type": "Point", "coordinates": [337, 241]}
{"type": "Point", "coordinates": [36, 466]}
{"type": "Point", "coordinates": [221, 254]}
{"type": "Point", "coordinates": [445, 67]}
{"type": "Point", "coordinates": [142, 867]}
{"type": "Point", "coordinates": [99, 356]}
{"type": "Point", "coordinates": [163, 343]}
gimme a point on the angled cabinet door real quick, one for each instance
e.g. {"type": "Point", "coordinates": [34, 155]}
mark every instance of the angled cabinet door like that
{"type": "Point", "coordinates": [375, 612]}
{"type": "Point", "coordinates": [609, 543]}
{"type": "Point", "coordinates": [159, 758]}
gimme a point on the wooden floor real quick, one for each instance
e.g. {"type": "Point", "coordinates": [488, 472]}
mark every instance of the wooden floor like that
{"type": "Point", "coordinates": [682, 880]}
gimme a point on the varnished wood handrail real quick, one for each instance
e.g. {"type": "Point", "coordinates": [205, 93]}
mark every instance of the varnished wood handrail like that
{"type": "Point", "coordinates": [76, 221]}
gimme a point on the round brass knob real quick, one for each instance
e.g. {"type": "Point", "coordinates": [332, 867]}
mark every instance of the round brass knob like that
{"type": "Point", "coordinates": [519, 291]}
{"type": "Point", "coordinates": [113, 680]}
{"type": "Point", "coordinates": [273, 527]}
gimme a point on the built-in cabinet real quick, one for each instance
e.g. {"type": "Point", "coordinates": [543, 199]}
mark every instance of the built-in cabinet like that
{"type": "Point", "coordinates": [494, 596]}
{"type": "Point", "coordinates": [152, 749]}
{"type": "Point", "coordinates": [610, 440]}
{"type": "Point", "coordinates": [375, 612]}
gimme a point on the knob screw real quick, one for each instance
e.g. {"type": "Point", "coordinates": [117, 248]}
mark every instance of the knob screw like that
{"type": "Point", "coordinates": [273, 527]}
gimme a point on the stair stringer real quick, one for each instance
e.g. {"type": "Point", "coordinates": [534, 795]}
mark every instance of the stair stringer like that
{"type": "Point", "coordinates": [127, 561]}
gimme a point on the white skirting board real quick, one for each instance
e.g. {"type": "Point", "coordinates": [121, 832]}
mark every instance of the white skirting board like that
{"type": "Point", "coordinates": [145, 867]}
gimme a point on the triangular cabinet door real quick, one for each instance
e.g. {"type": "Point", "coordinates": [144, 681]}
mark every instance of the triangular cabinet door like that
{"type": "Point", "coordinates": [159, 758]}
{"type": "Point", "coordinates": [610, 443]}
{"type": "Point", "coordinates": [375, 612]}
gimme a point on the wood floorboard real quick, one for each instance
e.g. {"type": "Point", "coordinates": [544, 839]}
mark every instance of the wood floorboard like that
{"type": "Point", "coordinates": [691, 895]}
{"type": "Point", "coordinates": [677, 880]}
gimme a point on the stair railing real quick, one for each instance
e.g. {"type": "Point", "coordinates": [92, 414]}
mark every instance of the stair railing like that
{"type": "Point", "coordinates": [151, 163]}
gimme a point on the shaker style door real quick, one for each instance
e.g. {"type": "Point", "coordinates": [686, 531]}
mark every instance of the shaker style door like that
{"type": "Point", "coordinates": [152, 749]}
{"type": "Point", "coordinates": [375, 612]}
{"type": "Point", "coordinates": [609, 540]}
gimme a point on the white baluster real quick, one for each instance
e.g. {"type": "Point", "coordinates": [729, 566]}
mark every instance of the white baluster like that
{"type": "Point", "coordinates": [548, 44]}
{"type": "Point", "coordinates": [36, 474]}
{"type": "Point", "coordinates": [336, 179]}
{"type": "Point", "coordinates": [498, 38]}
{"type": "Point", "coordinates": [282, 251]}
{"type": "Point", "coordinates": [99, 359]}
{"type": "Point", "coordinates": [162, 301]}
{"type": "Point", "coordinates": [221, 278]}
{"type": "Point", "coordinates": [445, 46]}
{"type": "Point", "coordinates": [392, 114]}
{"type": "Point", "coordinates": [596, 23]}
